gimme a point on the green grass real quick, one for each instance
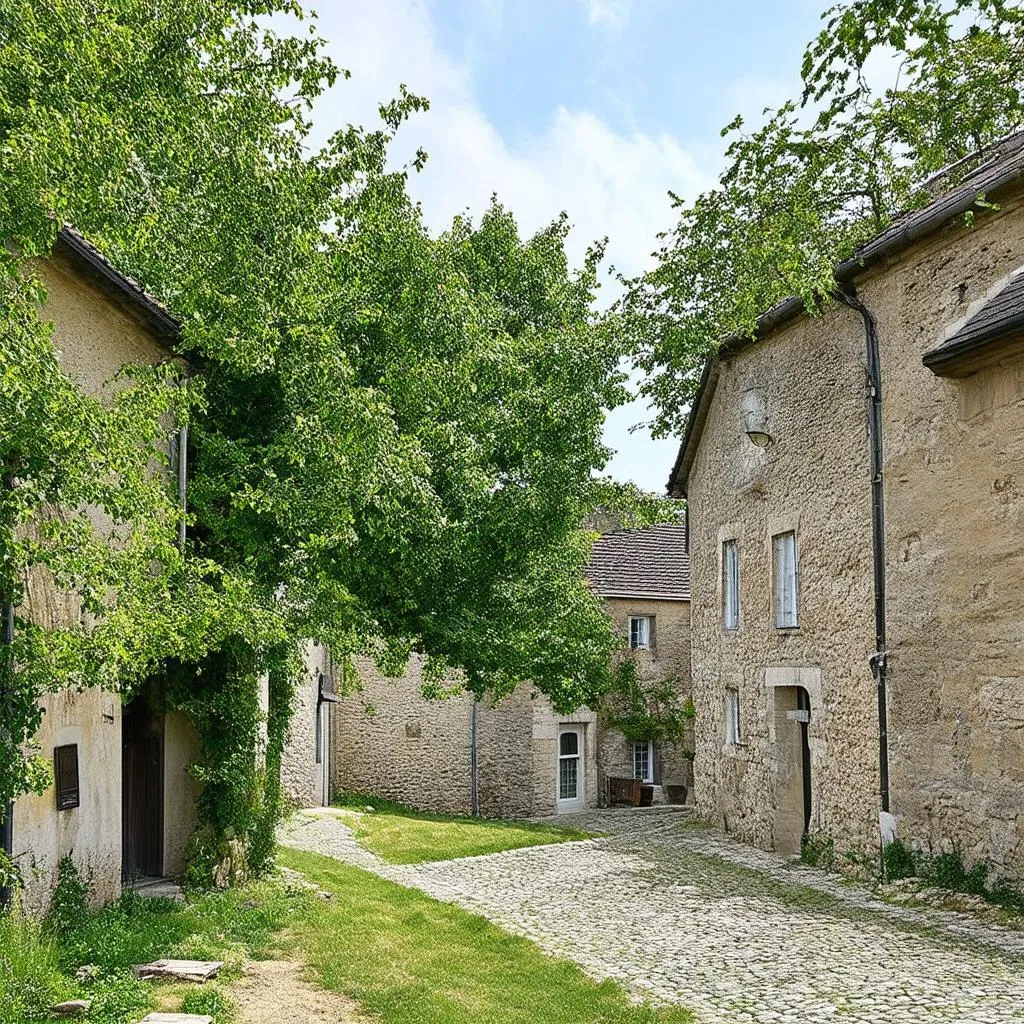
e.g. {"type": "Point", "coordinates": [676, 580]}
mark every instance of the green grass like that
{"type": "Point", "coordinates": [38, 965]}
{"type": "Point", "coordinates": [30, 977]}
{"type": "Point", "coordinates": [401, 835]}
{"type": "Point", "coordinates": [410, 959]}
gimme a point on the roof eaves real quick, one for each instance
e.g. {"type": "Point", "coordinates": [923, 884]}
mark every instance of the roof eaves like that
{"type": "Point", "coordinates": [641, 595]}
{"type": "Point", "coordinates": [911, 229]}
{"type": "Point", "coordinates": [96, 266]}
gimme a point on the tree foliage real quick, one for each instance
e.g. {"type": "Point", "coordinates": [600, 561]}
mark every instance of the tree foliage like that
{"type": "Point", "coordinates": [393, 435]}
{"type": "Point", "coordinates": [824, 174]}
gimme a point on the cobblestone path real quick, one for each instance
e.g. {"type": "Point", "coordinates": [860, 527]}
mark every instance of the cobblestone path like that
{"type": "Point", "coordinates": [682, 914]}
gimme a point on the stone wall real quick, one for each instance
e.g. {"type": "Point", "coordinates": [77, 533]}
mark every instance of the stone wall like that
{"type": "Point", "coordinates": [94, 337]}
{"type": "Point", "coordinates": [954, 454]}
{"type": "Point", "coordinates": [669, 658]}
{"type": "Point", "coordinates": [305, 768]}
{"type": "Point", "coordinates": [388, 740]}
{"type": "Point", "coordinates": [954, 493]}
{"type": "Point", "coordinates": [811, 479]}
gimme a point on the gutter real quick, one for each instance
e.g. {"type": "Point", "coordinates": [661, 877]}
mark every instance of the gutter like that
{"type": "Point", "coordinates": [913, 228]}
{"type": "Point", "coordinates": [473, 771]}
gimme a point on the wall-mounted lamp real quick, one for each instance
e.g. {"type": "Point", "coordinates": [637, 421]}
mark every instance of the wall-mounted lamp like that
{"type": "Point", "coordinates": [755, 419]}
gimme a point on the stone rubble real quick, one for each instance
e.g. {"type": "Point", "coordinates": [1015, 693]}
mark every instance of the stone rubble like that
{"type": "Point", "coordinates": [678, 913]}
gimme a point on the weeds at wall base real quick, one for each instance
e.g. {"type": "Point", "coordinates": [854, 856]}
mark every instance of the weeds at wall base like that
{"type": "Point", "coordinates": [948, 871]}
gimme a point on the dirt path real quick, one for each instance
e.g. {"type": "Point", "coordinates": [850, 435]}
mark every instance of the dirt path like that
{"type": "Point", "coordinates": [275, 992]}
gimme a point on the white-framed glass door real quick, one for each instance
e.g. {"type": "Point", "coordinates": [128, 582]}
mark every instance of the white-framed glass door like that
{"type": "Point", "coordinates": [569, 784]}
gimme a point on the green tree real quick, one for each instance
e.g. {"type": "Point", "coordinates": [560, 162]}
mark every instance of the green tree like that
{"type": "Point", "coordinates": [393, 435]}
{"type": "Point", "coordinates": [824, 174]}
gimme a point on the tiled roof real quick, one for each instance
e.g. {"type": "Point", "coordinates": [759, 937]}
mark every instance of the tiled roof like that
{"type": "Point", "coordinates": [95, 265]}
{"type": "Point", "coordinates": [650, 563]}
{"type": "Point", "coordinates": [998, 314]}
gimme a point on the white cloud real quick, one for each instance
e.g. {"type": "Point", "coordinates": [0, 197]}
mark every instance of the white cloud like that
{"type": "Point", "coordinates": [612, 14]}
{"type": "Point", "coordinates": [610, 183]}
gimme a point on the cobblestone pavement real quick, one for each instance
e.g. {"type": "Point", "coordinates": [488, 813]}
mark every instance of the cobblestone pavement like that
{"type": "Point", "coordinates": [682, 914]}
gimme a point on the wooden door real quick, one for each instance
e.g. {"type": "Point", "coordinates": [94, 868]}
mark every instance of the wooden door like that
{"type": "Point", "coordinates": [142, 791]}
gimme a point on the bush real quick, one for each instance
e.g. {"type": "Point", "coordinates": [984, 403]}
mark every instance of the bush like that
{"type": "Point", "coordinates": [69, 902]}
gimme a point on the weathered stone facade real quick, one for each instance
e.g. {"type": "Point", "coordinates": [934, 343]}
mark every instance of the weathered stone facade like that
{"type": "Point", "coordinates": [667, 659]}
{"type": "Point", "coordinates": [306, 758]}
{"type": "Point", "coordinates": [95, 333]}
{"type": "Point", "coordinates": [388, 740]}
{"type": "Point", "coordinates": [954, 559]}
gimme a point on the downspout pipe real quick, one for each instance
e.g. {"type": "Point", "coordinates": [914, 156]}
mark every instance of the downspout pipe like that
{"type": "Point", "coordinates": [6, 639]}
{"type": "Point", "coordinates": [182, 483]}
{"type": "Point", "coordinates": [848, 296]}
{"type": "Point", "coordinates": [473, 777]}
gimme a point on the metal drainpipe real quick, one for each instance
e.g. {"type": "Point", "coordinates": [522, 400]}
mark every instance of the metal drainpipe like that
{"type": "Point", "coordinates": [6, 639]}
{"type": "Point", "coordinates": [182, 483]}
{"type": "Point", "coordinates": [874, 394]}
{"type": "Point", "coordinates": [474, 791]}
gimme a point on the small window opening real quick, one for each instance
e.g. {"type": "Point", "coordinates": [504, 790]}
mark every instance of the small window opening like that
{"type": "Point", "coordinates": [785, 571]}
{"type": "Point", "coordinates": [65, 771]}
{"type": "Point", "coordinates": [733, 732]}
{"type": "Point", "coordinates": [643, 761]}
{"type": "Point", "coordinates": [730, 585]}
{"type": "Point", "coordinates": [640, 632]}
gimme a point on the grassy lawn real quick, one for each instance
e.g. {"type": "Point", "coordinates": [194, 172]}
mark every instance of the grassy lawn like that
{"type": "Point", "coordinates": [409, 959]}
{"type": "Point", "coordinates": [400, 835]}
{"type": "Point", "coordinates": [402, 956]}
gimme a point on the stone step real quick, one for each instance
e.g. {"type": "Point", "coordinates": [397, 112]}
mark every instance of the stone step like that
{"type": "Point", "coordinates": [176, 1018]}
{"type": "Point", "coordinates": [180, 970]}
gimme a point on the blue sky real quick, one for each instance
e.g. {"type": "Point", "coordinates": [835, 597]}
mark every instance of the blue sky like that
{"type": "Point", "coordinates": [597, 107]}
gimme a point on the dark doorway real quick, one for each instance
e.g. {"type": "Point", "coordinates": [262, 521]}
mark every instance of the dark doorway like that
{"type": "Point", "coordinates": [803, 704]}
{"type": "Point", "coordinates": [792, 768]}
{"type": "Point", "coordinates": [142, 785]}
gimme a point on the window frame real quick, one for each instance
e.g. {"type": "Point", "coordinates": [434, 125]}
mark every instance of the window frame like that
{"type": "Point", "coordinates": [647, 631]}
{"type": "Point", "coordinates": [786, 580]}
{"type": "Point", "coordinates": [731, 584]}
{"type": "Point", "coordinates": [648, 747]}
{"type": "Point", "coordinates": [733, 717]}
{"type": "Point", "coordinates": [65, 762]}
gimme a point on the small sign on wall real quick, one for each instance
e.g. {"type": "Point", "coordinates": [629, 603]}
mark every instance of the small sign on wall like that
{"type": "Point", "coordinates": [800, 715]}
{"type": "Point", "coordinates": [65, 771]}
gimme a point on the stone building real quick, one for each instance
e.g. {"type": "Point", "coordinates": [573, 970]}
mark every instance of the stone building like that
{"type": "Point", "coordinates": [644, 578]}
{"type": "Point", "coordinates": [855, 486]}
{"type": "Point", "coordinates": [514, 759]}
{"type": "Point", "coordinates": [123, 804]}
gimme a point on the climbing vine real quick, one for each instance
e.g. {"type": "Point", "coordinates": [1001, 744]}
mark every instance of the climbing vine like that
{"type": "Point", "coordinates": [393, 434]}
{"type": "Point", "coordinates": [656, 709]}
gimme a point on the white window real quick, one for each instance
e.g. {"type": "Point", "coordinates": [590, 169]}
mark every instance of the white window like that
{"type": "Point", "coordinates": [643, 761]}
{"type": "Point", "coordinates": [640, 632]}
{"type": "Point", "coordinates": [784, 564]}
{"type": "Point", "coordinates": [732, 716]}
{"type": "Point", "coordinates": [730, 585]}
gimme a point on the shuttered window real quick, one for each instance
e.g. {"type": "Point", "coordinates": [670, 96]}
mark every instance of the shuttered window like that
{"type": "Point", "coordinates": [730, 585]}
{"type": "Point", "coordinates": [65, 771]}
{"type": "Point", "coordinates": [784, 569]}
